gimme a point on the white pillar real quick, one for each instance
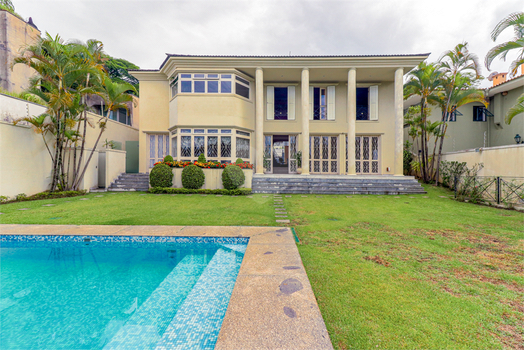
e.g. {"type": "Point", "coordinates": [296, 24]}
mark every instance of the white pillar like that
{"type": "Point", "coordinates": [259, 121]}
{"type": "Point", "coordinates": [305, 121]}
{"type": "Point", "coordinates": [352, 117]}
{"type": "Point", "coordinates": [399, 122]}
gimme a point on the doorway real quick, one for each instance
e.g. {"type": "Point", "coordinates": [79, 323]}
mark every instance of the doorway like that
{"type": "Point", "coordinates": [280, 154]}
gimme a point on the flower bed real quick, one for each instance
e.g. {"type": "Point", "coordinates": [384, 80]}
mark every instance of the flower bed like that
{"type": "Point", "coordinates": [207, 165]}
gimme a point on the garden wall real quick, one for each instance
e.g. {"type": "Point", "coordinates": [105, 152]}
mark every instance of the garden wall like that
{"type": "Point", "coordinates": [213, 178]}
{"type": "Point", "coordinates": [111, 163]}
{"type": "Point", "coordinates": [498, 161]}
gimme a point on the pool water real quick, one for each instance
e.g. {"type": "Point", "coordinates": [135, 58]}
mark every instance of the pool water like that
{"type": "Point", "coordinates": [78, 292]}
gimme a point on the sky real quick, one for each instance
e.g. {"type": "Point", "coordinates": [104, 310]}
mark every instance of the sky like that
{"type": "Point", "coordinates": [143, 31]}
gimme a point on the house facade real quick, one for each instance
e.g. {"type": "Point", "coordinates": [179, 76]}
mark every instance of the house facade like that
{"type": "Point", "coordinates": [333, 114]}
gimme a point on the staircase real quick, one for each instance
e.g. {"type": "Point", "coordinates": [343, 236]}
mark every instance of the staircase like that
{"type": "Point", "coordinates": [130, 182]}
{"type": "Point", "coordinates": [336, 184]}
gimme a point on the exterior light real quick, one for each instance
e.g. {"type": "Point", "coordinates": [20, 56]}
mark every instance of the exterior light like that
{"type": "Point", "coordinates": [517, 139]}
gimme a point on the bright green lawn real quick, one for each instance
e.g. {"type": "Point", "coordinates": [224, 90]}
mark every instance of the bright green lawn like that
{"type": "Point", "coordinates": [388, 273]}
{"type": "Point", "coordinates": [132, 208]}
{"type": "Point", "coordinates": [414, 273]}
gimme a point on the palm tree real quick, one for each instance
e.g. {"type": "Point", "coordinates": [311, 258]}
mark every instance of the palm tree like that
{"type": "Point", "coordinates": [515, 20]}
{"type": "Point", "coordinates": [424, 81]}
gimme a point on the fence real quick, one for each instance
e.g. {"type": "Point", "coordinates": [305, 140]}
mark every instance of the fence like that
{"type": "Point", "coordinates": [493, 189]}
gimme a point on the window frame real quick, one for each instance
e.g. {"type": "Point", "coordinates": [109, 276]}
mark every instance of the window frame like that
{"type": "Point", "coordinates": [188, 82]}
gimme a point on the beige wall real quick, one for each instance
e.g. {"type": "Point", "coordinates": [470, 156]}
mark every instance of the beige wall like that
{"type": "Point", "coordinates": [498, 161]}
{"type": "Point", "coordinates": [114, 131]}
{"type": "Point", "coordinates": [15, 33]}
{"type": "Point", "coordinates": [213, 178]}
{"type": "Point", "coordinates": [111, 164]}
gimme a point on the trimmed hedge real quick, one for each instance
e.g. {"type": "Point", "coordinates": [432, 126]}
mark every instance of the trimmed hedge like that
{"type": "Point", "coordinates": [192, 177]}
{"type": "Point", "coordinates": [42, 195]}
{"type": "Point", "coordinates": [233, 177]}
{"type": "Point", "coordinates": [168, 158]}
{"type": "Point", "coordinates": [170, 190]}
{"type": "Point", "coordinates": [161, 176]}
{"type": "Point", "coordinates": [202, 158]}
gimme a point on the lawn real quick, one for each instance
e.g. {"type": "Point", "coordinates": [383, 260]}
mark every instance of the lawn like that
{"type": "Point", "coordinates": [389, 272]}
{"type": "Point", "coordinates": [136, 208]}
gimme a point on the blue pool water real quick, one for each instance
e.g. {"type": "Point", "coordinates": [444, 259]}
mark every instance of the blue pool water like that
{"type": "Point", "coordinates": [103, 292]}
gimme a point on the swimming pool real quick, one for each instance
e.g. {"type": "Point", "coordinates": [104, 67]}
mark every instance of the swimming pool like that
{"type": "Point", "coordinates": [115, 292]}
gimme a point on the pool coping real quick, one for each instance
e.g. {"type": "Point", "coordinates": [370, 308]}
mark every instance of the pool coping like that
{"type": "Point", "coordinates": [272, 305]}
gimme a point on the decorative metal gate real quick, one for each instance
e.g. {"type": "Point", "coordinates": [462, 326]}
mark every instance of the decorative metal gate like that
{"type": "Point", "coordinates": [323, 154]}
{"type": "Point", "coordinates": [292, 154]}
{"type": "Point", "coordinates": [268, 154]}
{"type": "Point", "coordinates": [367, 154]}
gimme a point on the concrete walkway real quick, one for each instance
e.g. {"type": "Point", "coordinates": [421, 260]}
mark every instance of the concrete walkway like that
{"type": "Point", "coordinates": [272, 305]}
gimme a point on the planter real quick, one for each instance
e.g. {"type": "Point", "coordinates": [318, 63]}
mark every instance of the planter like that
{"type": "Point", "coordinates": [213, 179]}
{"type": "Point", "coordinates": [299, 170]}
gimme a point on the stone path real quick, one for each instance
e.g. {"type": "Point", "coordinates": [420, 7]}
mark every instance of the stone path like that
{"type": "Point", "coordinates": [280, 212]}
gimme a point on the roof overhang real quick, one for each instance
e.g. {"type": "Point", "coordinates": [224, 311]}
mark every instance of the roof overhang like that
{"type": "Point", "coordinates": [509, 85]}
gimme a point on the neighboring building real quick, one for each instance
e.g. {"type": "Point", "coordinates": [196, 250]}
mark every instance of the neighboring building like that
{"type": "Point", "coordinates": [348, 121]}
{"type": "Point", "coordinates": [475, 126]}
{"type": "Point", "coordinates": [127, 116]}
{"type": "Point", "coordinates": [15, 34]}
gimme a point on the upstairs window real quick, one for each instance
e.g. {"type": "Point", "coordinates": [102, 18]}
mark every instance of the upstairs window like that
{"type": "Point", "coordinates": [367, 103]}
{"type": "Point", "coordinates": [212, 83]}
{"type": "Point", "coordinates": [479, 114]}
{"type": "Point", "coordinates": [319, 104]}
{"type": "Point", "coordinates": [280, 103]}
{"type": "Point", "coordinates": [242, 87]}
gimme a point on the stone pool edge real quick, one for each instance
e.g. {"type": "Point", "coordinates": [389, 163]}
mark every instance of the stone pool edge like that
{"type": "Point", "coordinates": [272, 305]}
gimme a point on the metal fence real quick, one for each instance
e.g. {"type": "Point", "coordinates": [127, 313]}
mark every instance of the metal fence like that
{"type": "Point", "coordinates": [493, 189]}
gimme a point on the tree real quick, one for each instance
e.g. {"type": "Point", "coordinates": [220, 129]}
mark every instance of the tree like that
{"type": "Point", "coordinates": [118, 71]}
{"type": "Point", "coordinates": [515, 20]}
{"type": "Point", "coordinates": [424, 81]}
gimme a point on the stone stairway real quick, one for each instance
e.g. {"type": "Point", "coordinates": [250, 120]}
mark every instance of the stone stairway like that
{"type": "Point", "coordinates": [130, 182]}
{"type": "Point", "coordinates": [336, 184]}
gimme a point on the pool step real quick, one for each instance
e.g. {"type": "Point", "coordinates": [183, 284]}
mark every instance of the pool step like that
{"type": "Point", "coordinates": [149, 321]}
{"type": "Point", "coordinates": [205, 307]}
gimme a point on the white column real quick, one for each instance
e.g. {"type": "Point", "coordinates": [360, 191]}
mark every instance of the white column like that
{"type": "Point", "coordinates": [399, 122]}
{"type": "Point", "coordinates": [352, 117]}
{"type": "Point", "coordinates": [304, 91]}
{"type": "Point", "coordinates": [259, 121]}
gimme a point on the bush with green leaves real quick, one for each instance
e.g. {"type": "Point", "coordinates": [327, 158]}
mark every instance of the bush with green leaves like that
{"type": "Point", "coordinates": [168, 158]}
{"type": "Point", "coordinates": [233, 177]}
{"type": "Point", "coordinates": [192, 177]}
{"type": "Point", "coordinates": [202, 158]}
{"type": "Point", "coordinates": [451, 169]}
{"type": "Point", "coordinates": [239, 161]}
{"type": "Point", "coordinates": [237, 192]}
{"type": "Point", "coordinates": [161, 176]}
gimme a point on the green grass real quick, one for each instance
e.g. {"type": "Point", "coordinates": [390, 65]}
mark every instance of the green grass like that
{"type": "Point", "coordinates": [132, 208]}
{"type": "Point", "coordinates": [413, 273]}
{"type": "Point", "coordinates": [388, 272]}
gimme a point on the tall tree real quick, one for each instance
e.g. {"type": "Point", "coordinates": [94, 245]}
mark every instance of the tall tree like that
{"type": "Point", "coordinates": [516, 21]}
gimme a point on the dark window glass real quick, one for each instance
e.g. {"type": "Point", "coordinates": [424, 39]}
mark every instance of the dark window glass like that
{"type": "Point", "coordinates": [243, 80]}
{"type": "Point", "coordinates": [185, 75]}
{"type": "Point", "coordinates": [281, 103]}
{"type": "Point", "coordinates": [198, 131]}
{"type": "Point", "coordinates": [212, 146]}
{"type": "Point", "coordinates": [316, 103]}
{"type": "Point", "coordinates": [226, 76]}
{"type": "Point", "coordinates": [200, 76]}
{"type": "Point", "coordinates": [225, 146]}
{"type": "Point", "coordinates": [186, 86]}
{"type": "Point", "coordinates": [225, 87]}
{"type": "Point", "coordinates": [242, 90]}
{"type": "Point", "coordinates": [199, 147]}
{"type": "Point", "coordinates": [200, 86]}
{"type": "Point", "coordinates": [122, 115]}
{"type": "Point", "coordinates": [212, 76]}
{"type": "Point", "coordinates": [478, 114]}
{"type": "Point", "coordinates": [362, 103]}
{"type": "Point", "coordinates": [212, 86]}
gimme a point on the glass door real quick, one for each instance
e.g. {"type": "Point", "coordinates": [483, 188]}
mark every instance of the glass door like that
{"type": "Point", "coordinates": [367, 154]}
{"type": "Point", "coordinates": [323, 154]}
{"type": "Point", "coordinates": [280, 154]}
{"type": "Point", "coordinates": [158, 148]}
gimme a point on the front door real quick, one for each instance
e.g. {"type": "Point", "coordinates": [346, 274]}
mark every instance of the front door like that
{"type": "Point", "coordinates": [280, 154]}
{"type": "Point", "coordinates": [323, 154]}
{"type": "Point", "coordinates": [131, 156]}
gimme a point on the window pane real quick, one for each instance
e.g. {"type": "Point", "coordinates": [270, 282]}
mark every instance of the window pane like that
{"type": "Point", "coordinates": [185, 146]}
{"type": "Point", "coordinates": [160, 146]}
{"type": "Point", "coordinates": [199, 146]}
{"type": "Point", "coordinates": [185, 131]}
{"type": "Point", "coordinates": [186, 86]}
{"type": "Point", "coordinates": [212, 86]}
{"type": "Point", "coordinates": [200, 86]}
{"type": "Point", "coordinates": [226, 76]}
{"type": "Point", "coordinates": [242, 90]}
{"type": "Point", "coordinates": [242, 133]}
{"type": "Point", "coordinates": [316, 103]}
{"type": "Point", "coordinates": [225, 87]}
{"type": "Point", "coordinates": [243, 80]}
{"type": "Point", "coordinates": [225, 131]}
{"type": "Point", "coordinates": [185, 75]}
{"type": "Point", "coordinates": [174, 148]}
{"type": "Point", "coordinates": [199, 76]}
{"type": "Point", "coordinates": [122, 115]}
{"type": "Point", "coordinates": [225, 146]}
{"type": "Point", "coordinates": [212, 146]}
{"type": "Point", "coordinates": [212, 131]}
{"type": "Point", "coordinates": [212, 76]}
{"type": "Point", "coordinates": [198, 131]}
{"type": "Point", "coordinates": [362, 103]}
{"type": "Point", "coordinates": [174, 89]}
{"type": "Point", "coordinates": [280, 103]}
{"type": "Point", "coordinates": [242, 148]}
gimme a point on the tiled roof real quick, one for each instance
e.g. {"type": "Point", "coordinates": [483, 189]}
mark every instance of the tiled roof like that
{"type": "Point", "coordinates": [507, 81]}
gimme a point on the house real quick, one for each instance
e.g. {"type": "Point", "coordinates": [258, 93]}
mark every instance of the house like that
{"type": "Point", "coordinates": [336, 114]}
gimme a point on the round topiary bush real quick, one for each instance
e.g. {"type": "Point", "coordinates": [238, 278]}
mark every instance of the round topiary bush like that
{"type": "Point", "coordinates": [239, 161]}
{"type": "Point", "coordinates": [192, 177]}
{"type": "Point", "coordinates": [201, 158]}
{"type": "Point", "coordinates": [168, 158]}
{"type": "Point", "coordinates": [161, 176]}
{"type": "Point", "coordinates": [233, 177]}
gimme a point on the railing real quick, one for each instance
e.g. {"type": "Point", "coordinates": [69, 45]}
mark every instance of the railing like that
{"type": "Point", "coordinates": [493, 189]}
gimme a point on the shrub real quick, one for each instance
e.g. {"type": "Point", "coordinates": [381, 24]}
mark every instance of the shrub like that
{"type": "Point", "coordinates": [4, 199]}
{"type": "Point", "coordinates": [202, 158]}
{"type": "Point", "coordinates": [21, 196]}
{"type": "Point", "coordinates": [192, 177]}
{"type": "Point", "coordinates": [168, 158]}
{"type": "Point", "coordinates": [233, 177]}
{"type": "Point", "coordinates": [161, 176]}
{"type": "Point", "coordinates": [239, 161]}
{"type": "Point", "coordinates": [237, 192]}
